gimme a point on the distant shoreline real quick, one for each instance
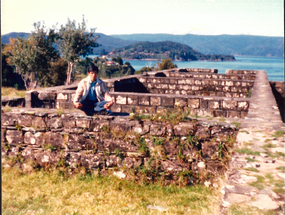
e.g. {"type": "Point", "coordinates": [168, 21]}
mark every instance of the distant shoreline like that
{"type": "Point", "coordinates": [152, 59]}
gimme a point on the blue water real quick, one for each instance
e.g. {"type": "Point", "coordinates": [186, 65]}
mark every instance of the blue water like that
{"type": "Point", "coordinates": [273, 66]}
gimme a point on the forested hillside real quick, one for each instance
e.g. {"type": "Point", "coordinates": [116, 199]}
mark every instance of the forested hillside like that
{"type": "Point", "coordinates": [163, 50]}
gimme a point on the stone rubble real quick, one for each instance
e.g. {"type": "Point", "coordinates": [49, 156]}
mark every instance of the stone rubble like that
{"type": "Point", "coordinates": [252, 179]}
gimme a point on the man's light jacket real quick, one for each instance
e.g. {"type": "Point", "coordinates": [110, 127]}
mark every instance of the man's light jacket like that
{"type": "Point", "coordinates": [83, 88]}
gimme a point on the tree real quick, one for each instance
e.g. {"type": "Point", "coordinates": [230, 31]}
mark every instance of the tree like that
{"type": "Point", "coordinates": [119, 60]}
{"type": "Point", "coordinates": [9, 77]}
{"type": "Point", "coordinates": [166, 64]}
{"type": "Point", "coordinates": [73, 43]}
{"type": "Point", "coordinates": [32, 56]}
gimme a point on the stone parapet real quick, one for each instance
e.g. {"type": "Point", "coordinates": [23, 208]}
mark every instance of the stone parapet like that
{"type": "Point", "coordinates": [197, 86]}
{"type": "Point", "coordinates": [244, 72]}
{"type": "Point", "coordinates": [232, 76]}
{"type": "Point", "coordinates": [198, 105]}
{"type": "Point", "coordinates": [50, 139]}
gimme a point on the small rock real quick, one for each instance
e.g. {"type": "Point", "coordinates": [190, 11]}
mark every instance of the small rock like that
{"type": "Point", "coordinates": [273, 161]}
{"type": "Point", "coordinates": [281, 175]}
{"type": "Point", "coordinates": [269, 192]}
{"type": "Point", "coordinates": [248, 165]}
{"type": "Point", "coordinates": [248, 179]}
{"type": "Point", "coordinates": [225, 204]}
{"type": "Point", "coordinates": [154, 207]}
{"type": "Point", "coordinates": [201, 165]}
{"type": "Point", "coordinates": [263, 155]}
{"type": "Point", "coordinates": [234, 198]}
{"type": "Point", "coordinates": [207, 183]}
{"type": "Point", "coordinates": [263, 202]}
{"type": "Point", "coordinates": [257, 165]}
{"type": "Point", "coordinates": [223, 190]}
{"type": "Point", "coordinates": [119, 174]}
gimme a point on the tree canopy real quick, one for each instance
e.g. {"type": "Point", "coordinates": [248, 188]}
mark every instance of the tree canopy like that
{"type": "Point", "coordinates": [32, 57]}
{"type": "Point", "coordinates": [75, 41]}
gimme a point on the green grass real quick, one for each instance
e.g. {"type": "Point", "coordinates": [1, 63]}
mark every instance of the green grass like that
{"type": "Point", "coordinates": [250, 159]}
{"type": "Point", "coordinates": [252, 169]}
{"type": "Point", "coordinates": [247, 151]}
{"type": "Point", "coordinates": [237, 124]}
{"type": "Point", "coordinates": [269, 145]}
{"type": "Point", "coordinates": [278, 134]}
{"type": "Point", "coordinates": [259, 184]}
{"type": "Point", "coordinates": [53, 192]}
{"type": "Point", "coordinates": [238, 209]}
{"type": "Point", "coordinates": [281, 168]}
{"type": "Point", "coordinates": [12, 92]}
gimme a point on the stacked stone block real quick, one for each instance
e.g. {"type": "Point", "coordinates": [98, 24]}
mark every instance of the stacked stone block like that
{"type": "Point", "coordinates": [49, 139]}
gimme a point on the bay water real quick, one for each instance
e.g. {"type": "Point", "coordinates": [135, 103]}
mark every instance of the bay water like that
{"type": "Point", "coordinates": [273, 66]}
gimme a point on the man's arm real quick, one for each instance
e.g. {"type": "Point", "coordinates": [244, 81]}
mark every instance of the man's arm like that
{"type": "Point", "coordinates": [78, 94]}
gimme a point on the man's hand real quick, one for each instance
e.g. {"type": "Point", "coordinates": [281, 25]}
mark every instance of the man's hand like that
{"type": "Point", "coordinates": [108, 105]}
{"type": "Point", "coordinates": [78, 105]}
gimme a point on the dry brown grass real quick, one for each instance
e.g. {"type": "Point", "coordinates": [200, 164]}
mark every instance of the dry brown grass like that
{"type": "Point", "coordinates": [12, 92]}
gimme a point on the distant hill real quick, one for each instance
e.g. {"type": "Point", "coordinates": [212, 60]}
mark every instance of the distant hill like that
{"type": "Point", "coordinates": [109, 43]}
{"type": "Point", "coordinates": [6, 37]}
{"type": "Point", "coordinates": [163, 50]}
{"type": "Point", "coordinates": [244, 45]}
{"type": "Point", "coordinates": [222, 44]}
{"type": "Point", "coordinates": [106, 42]}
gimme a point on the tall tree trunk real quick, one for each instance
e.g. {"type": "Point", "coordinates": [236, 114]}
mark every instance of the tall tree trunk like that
{"type": "Point", "coordinates": [69, 73]}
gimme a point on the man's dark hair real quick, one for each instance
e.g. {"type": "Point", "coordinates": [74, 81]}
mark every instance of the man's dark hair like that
{"type": "Point", "coordinates": [92, 68]}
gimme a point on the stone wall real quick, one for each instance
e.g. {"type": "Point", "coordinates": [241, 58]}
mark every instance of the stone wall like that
{"type": "Point", "coordinates": [202, 90]}
{"type": "Point", "coordinates": [155, 149]}
{"type": "Point", "coordinates": [197, 86]}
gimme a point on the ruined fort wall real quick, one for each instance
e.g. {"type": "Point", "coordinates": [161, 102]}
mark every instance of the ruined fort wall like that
{"type": "Point", "coordinates": [45, 139]}
{"type": "Point", "coordinates": [202, 95]}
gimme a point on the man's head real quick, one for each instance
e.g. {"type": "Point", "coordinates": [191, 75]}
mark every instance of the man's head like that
{"type": "Point", "coordinates": [92, 72]}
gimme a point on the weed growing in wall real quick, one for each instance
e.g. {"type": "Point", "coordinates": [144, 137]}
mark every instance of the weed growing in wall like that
{"type": "Point", "coordinates": [60, 111]}
{"type": "Point", "coordinates": [172, 116]}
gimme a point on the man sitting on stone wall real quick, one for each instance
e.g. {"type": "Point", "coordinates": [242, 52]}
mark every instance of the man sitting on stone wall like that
{"type": "Point", "coordinates": [92, 95]}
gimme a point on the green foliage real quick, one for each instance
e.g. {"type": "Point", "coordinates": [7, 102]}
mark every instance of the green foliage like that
{"type": "Point", "coordinates": [166, 64]}
{"type": "Point", "coordinates": [18, 127]}
{"type": "Point", "coordinates": [112, 71]}
{"type": "Point", "coordinates": [247, 151]}
{"type": "Point", "coordinates": [144, 69]}
{"type": "Point", "coordinates": [158, 140]}
{"type": "Point", "coordinates": [252, 169]}
{"type": "Point", "coordinates": [74, 42]}
{"type": "Point", "coordinates": [105, 128]}
{"type": "Point", "coordinates": [237, 124]}
{"type": "Point", "coordinates": [278, 133]}
{"type": "Point", "coordinates": [140, 142]}
{"type": "Point", "coordinates": [259, 183]}
{"type": "Point", "coordinates": [59, 111]}
{"type": "Point", "coordinates": [118, 153]}
{"type": "Point", "coordinates": [249, 93]}
{"type": "Point", "coordinates": [32, 57]}
{"type": "Point", "coordinates": [250, 159]}
{"type": "Point", "coordinates": [281, 168]}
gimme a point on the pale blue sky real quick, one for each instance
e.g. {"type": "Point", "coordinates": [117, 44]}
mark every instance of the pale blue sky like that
{"type": "Point", "coordinates": [206, 17]}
